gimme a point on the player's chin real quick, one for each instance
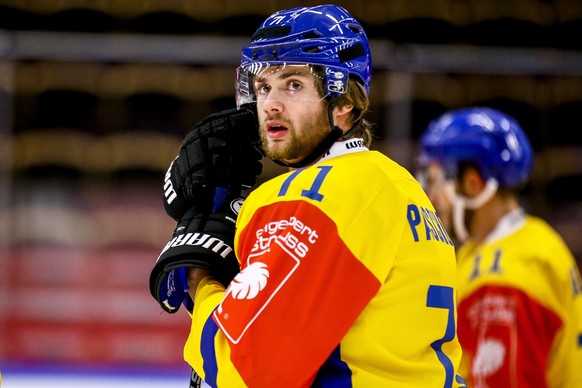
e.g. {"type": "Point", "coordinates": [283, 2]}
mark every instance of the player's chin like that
{"type": "Point", "coordinates": [279, 150]}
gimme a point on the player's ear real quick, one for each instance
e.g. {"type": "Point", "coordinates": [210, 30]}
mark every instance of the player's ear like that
{"type": "Point", "coordinates": [342, 116]}
{"type": "Point", "coordinates": [472, 183]}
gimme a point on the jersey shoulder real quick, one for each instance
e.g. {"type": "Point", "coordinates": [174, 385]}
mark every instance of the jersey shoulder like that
{"type": "Point", "coordinates": [358, 175]}
{"type": "Point", "coordinates": [539, 236]}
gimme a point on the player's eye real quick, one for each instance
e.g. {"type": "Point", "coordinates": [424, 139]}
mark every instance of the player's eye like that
{"type": "Point", "coordinates": [262, 88]}
{"type": "Point", "coordinates": [294, 86]}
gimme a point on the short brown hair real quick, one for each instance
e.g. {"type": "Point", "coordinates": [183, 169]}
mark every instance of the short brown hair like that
{"type": "Point", "coordinates": [356, 96]}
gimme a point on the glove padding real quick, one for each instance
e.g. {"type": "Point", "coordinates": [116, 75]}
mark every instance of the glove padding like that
{"type": "Point", "coordinates": [174, 290]}
{"type": "Point", "coordinates": [220, 151]}
{"type": "Point", "coordinates": [199, 240]}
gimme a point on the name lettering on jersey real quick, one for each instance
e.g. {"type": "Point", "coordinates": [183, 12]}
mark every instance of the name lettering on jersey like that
{"type": "Point", "coordinates": [293, 233]}
{"type": "Point", "coordinates": [576, 282]}
{"type": "Point", "coordinates": [421, 219]}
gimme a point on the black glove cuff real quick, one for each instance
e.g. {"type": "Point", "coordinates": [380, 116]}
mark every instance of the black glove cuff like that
{"type": "Point", "coordinates": [209, 245]}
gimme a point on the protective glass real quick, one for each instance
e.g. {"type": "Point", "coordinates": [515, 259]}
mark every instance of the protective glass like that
{"type": "Point", "coordinates": [285, 81]}
{"type": "Point", "coordinates": [434, 178]}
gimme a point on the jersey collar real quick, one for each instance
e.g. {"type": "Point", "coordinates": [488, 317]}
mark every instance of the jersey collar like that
{"type": "Point", "coordinates": [344, 147]}
{"type": "Point", "coordinates": [507, 225]}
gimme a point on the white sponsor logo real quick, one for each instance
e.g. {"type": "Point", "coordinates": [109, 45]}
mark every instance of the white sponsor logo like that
{"type": "Point", "coordinates": [236, 204]}
{"type": "Point", "coordinates": [169, 191]}
{"type": "Point", "coordinates": [248, 283]}
{"type": "Point", "coordinates": [488, 360]}
{"type": "Point", "coordinates": [295, 234]}
{"type": "Point", "coordinates": [200, 239]}
{"type": "Point", "coordinates": [256, 285]}
{"type": "Point", "coordinates": [492, 309]}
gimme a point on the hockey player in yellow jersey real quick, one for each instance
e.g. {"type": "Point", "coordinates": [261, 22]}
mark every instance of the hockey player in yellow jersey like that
{"type": "Point", "coordinates": [347, 276]}
{"type": "Point", "coordinates": [520, 296]}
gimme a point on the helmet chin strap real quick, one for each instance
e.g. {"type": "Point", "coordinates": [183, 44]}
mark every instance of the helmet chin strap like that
{"type": "Point", "coordinates": [333, 135]}
{"type": "Point", "coordinates": [460, 203]}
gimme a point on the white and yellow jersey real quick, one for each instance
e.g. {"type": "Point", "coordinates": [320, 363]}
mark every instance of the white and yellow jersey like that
{"type": "Point", "coordinates": [348, 279]}
{"type": "Point", "coordinates": [520, 308]}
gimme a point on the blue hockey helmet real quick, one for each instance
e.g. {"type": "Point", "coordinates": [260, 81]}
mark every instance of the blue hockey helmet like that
{"type": "Point", "coordinates": [493, 140]}
{"type": "Point", "coordinates": [324, 35]}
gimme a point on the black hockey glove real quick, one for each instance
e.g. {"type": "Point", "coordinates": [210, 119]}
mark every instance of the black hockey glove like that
{"type": "Point", "coordinates": [222, 151]}
{"type": "Point", "coordinates": [199, 240]}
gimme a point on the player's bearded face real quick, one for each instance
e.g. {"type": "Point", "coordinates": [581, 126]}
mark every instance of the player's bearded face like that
{"type": "Point", "coordinates": [292, 112]}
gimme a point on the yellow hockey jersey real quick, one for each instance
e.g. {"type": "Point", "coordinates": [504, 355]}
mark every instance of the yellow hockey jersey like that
{"type": "Point", "coordinates": [348, 280]}
{"type": "Point", "coordinates": [520, 308]}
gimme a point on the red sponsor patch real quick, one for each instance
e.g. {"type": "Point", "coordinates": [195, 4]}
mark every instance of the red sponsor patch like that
{"type": "Point", "coordinates": [507, 336]}
{"type": "Point", "coordinates": [255, 286]}
{"type": "Point", "coordinates": [299, 292]}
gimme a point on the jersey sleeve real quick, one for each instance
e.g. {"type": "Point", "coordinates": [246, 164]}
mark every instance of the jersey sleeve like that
{"type": "Point", "coordinates": [566, 352]}
{"type": "Point", "coordinates": [288, 279]}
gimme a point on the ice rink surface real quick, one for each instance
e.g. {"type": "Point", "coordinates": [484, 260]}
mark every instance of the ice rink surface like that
{"type": "Point", "coordinates": [59, 376]}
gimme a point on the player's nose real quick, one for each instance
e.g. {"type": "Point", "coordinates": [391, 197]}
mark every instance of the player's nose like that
{"type": "Point", "coordinates": [273, 103]}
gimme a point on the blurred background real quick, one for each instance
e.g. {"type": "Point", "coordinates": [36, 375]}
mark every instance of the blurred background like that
{"type": "Point", "coordinates": [95, 97]}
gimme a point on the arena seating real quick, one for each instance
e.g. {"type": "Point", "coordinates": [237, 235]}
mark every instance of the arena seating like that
{"type": "Point", "coordinates": [89, 142]}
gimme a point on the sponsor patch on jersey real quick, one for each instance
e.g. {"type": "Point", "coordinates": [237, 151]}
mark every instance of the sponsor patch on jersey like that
{"type": "Point", "coordinates": [255, 284]}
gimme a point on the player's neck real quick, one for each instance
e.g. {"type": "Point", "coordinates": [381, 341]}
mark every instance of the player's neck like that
{"type": "Point", "coordinates": [486, 218]}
